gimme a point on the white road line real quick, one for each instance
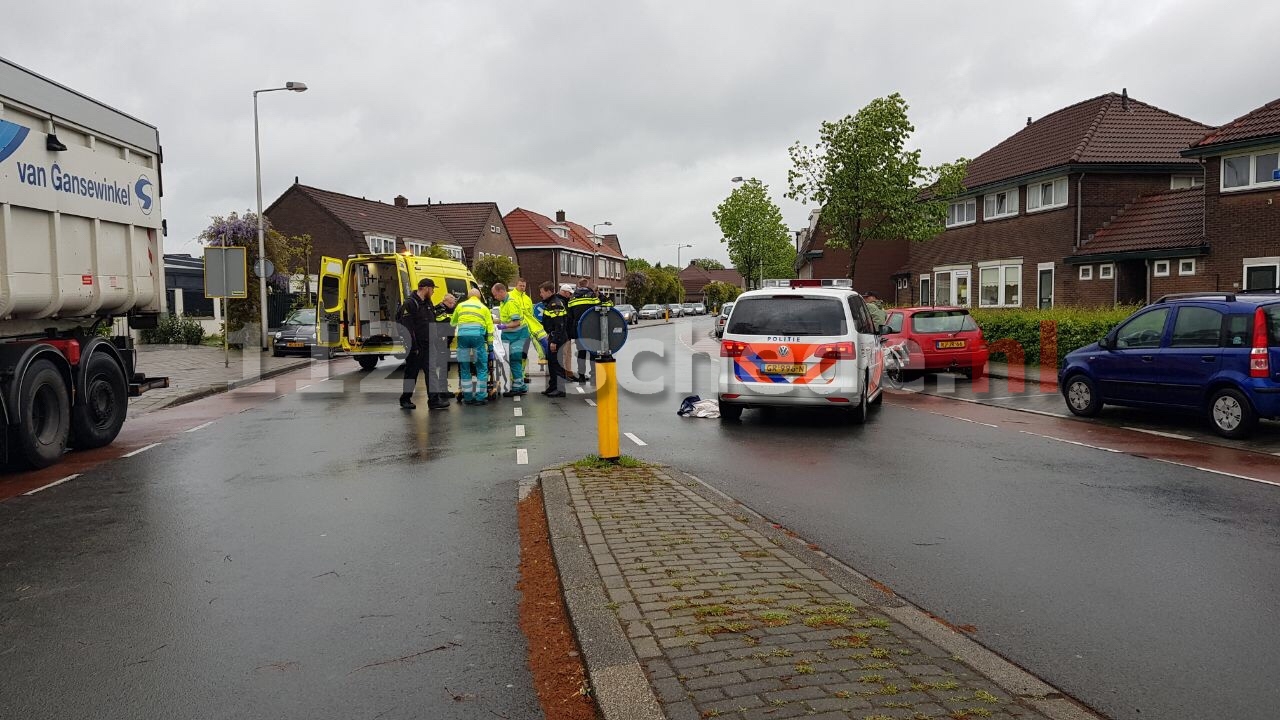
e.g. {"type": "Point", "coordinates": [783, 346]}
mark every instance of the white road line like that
{"type": "Point", "coordinates": [591, 402]}
{"type": "Point", "coordinates": [1015, 397]}
{"type": "Point", "coordinates": [519, 412]}
{"type": "Point", "coordinates": [201, 427]}
{"type": "Point", "coordinates": [635, 439]}
{"type": "Point", "coordinates": [139, 451]}
{"type": "Point", "coordinates": [954, 417]}
{"type": "Point", "coordinates": [519, 431]}
{"type": "Point", "coordinates": [1218, 472]}
{"type": "Point", "coordinates": [1042, 412]}
{"type": "Point", "coordinates": [304, 387]}
{"type": "Point", "coordinates": [516, 398]}
{"type": "Point", "coordinates": [1175, 436]}
{"type": "Point", "coordinates": [581, 391]}
{"type": "Point", "coordinates": [1071, 442]}
{"type": "Point", "coordinates": [522, 456]}
{"type": "Point", "coordinates": [52, 484]}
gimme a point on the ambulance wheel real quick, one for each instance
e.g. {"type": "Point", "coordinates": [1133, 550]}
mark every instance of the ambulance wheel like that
{"type": "Point", "coordinates": [367, 362]}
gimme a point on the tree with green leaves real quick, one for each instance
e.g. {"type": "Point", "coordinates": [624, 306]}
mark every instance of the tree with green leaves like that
{"type": "Point", "coordinates": [752, 226]}
{"type": "Point", "coordinates": [707, 263]}
{"type": "Point", "coordinates": [242, 231]}
{"type": "Point", "coordinates": [639, 289]}
{"type": "Point", "coordinates": [637, 265]}
{"type": "Point", "coordinates": [869, 185]}
{"type": "Point", "coordinates": [492, 269]}
{"type": "Point", "coordinates": [437, 252]}
{"type": "Point", "coordinates": [665, 285]}
{"type": "Point", "coordinates": [718, 293]}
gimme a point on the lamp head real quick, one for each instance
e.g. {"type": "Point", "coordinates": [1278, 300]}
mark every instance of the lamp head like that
{"type": "Point", "coordinates": [736, 178]}
{"type": "Point", "coordinates": [296, 86]}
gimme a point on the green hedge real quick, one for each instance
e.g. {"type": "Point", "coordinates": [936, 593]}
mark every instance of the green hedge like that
{"type": "Point", "coordinates": [173, 330]}
{"type": "Point", "coordinates": [1070, 328]}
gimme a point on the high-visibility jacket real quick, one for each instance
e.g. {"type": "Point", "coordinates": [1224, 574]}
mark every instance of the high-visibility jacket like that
{"type": "Point", "coordinates": [472, 317]}
{"type": "Point", "coordinates": [555, 319]}
{"type": "Point", "coordinates": [582, 300]}
{"type": "Point", "coordinates": [512, 312]}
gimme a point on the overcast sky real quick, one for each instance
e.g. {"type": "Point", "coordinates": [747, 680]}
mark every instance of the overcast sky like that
{"type": "Point", "coordinates": [637, 112]}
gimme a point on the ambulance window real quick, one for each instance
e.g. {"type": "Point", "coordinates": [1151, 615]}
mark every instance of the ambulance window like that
{"type": "Point", "coordinates": [456, 286]}
{"type": "Point", "coordinates": [329, 291]}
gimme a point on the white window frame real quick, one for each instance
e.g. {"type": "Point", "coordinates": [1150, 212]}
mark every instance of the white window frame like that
{"type": "Point", "coordinates": [1002, 268]}
{"type": "Point", "coordinates": [455, 252]}
{"type": "Point", "coordinates": [495, 229]}
{"type": "Point", "coordinates": [1011, 204]}
{"type": "Point", "coordinates": [380, 244]}
{"type": "Point", "coordinates": [1271, 262]}
{"type": "Point", "coordinates": [926, 299]}
{"type": "Point", "coordinates": [1155, 268]}
{"type": "Point", "coordinates": [1086, 272]}
{"type": "Point", "coordinates": [1189, 181]}
{"type": "Point", "coordinates": [415, 247]}
{"type": "Point", "coordinates": [970, 207]}
{"type": "Point", "coordinates": [1107, 271]}
{"type": "Point", "coordinates": [1253, 168]}
{"type": "Point", "coordinates": [1182, 272]}
{"type": "Point", "coordinates": [1034, 195]}
{"type": "Point", "coordinates": [1053, 274]}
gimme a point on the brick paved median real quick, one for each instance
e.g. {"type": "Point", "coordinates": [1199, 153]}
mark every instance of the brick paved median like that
{"type": "Point", "coordinates": [728, 623]}
{"type": "Point", "coordinates": [195, 370]}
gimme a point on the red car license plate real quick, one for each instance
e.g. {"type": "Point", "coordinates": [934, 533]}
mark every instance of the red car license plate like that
{"type": "Point", "coordinates": [950, 344]}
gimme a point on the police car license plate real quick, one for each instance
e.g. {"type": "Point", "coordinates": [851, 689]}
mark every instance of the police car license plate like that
{"type": "Point", "coordinates": [295, 344]}
{"type": "Point", "coordinates": [775, 369]}
{"type": "Point", "coordinates": [950, 344]}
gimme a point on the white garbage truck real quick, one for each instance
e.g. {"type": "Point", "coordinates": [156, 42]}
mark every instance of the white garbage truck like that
{"type": "Point", "coordinates": [80, 246]}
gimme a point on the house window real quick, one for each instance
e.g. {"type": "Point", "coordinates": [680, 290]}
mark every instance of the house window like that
{"type": "Point", "coordinates": [454, 251]}
{"type": "Point", "coordinates": [1261, 273]}
{"type": "Point", "coordinates": [1187, 266]}
{"type": "Point", "coordinates": [1248, 172]}
{"type": "Point", "coordinates": [1106, 272]}
{"type": "Point", "coordinates": [1086, 272]}
{"type": "Point", "coordinates": [562, 232]}
{"type": "Point", "coordinates": [1000, 286]}
{"type": "Point", "coordinates": [961, 213]}
{"type": "Point", "coordinates": [926, 290]}
{"type": "Point", "coordinates": [602, 267]}
{"type": "Point", "coordinates": [416, 248]}
{"type": "Point", "coordinates": [564, 263]}
{"type": "Point", "coordinates": [1182, 182]}
{"type": "Point", "coordinates": [495, 229]}
{"type": "Point", "coordinates": [1047, 195]}
{"type": "Point", "coordinates": [379, 245]}
{"type": "Point", "coordinates": [1000, 205]}
{"type": "Point", "coordinates": [1161, 268]}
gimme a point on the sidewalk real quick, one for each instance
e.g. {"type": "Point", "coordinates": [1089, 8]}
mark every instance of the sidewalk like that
{"type": "Point", "coordinates": [1030, 374]}
{"type": "Point", "coordinates": [688, 606]}
{"type": "Point", "coordinates": [195, 371]}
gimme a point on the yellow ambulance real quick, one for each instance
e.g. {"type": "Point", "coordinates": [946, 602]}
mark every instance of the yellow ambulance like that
{"type": "Point", "coordinates": [359, 297]}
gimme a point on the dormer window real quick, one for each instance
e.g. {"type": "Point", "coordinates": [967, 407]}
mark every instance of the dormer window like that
{"type": "Point", "coordinates": [1001, 204]}
{"type": "Point", "coordinates": [562, 232]}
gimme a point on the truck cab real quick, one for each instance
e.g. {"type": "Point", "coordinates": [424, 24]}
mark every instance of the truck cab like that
{"type": "Point", "coordinates": [359, 298]}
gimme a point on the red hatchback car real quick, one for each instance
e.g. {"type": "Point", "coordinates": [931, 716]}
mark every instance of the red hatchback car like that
{"type": "Point", "coordinates": [939, 339]}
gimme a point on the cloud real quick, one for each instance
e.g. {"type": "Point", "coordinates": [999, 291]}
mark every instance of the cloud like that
{"type": "Point", "coordinates": [637, 112]}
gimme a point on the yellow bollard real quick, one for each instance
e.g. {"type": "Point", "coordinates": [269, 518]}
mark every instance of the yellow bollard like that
{"type": "Point", "coordinates": [607, 407]}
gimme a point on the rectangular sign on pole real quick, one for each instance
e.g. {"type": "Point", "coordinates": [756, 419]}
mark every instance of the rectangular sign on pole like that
{"type": "Point", "coordinates": [226, 272]}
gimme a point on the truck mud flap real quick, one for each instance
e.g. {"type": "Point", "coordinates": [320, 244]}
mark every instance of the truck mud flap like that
{"type": "Point", "coordinates": [142, 383]}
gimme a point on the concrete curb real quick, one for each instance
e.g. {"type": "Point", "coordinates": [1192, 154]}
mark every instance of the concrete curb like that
{"type": "Point", "coordinates": [1009, 677]}
{"type": "Point", "coordinates": [219, 388]}
{"type": "Point", "coordinates": [620, 686]}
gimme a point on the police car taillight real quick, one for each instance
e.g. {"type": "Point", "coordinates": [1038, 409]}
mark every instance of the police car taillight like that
{"type": "Point", "coordinates": [729, 348]}
{"type": "Point", "coordinates": [1259, 357]}
{"type": "Point", "coordinates": [837, 351]}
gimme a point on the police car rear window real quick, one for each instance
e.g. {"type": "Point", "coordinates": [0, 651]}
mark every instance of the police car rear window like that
{"type": "Point", "coordinates": [788, 315]}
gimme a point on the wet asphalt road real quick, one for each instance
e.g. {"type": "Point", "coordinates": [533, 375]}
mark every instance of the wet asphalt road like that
{"type": "Point", "coordinates": [1144, 589]}
{"type": "Point", "coordinates": [323, 556]}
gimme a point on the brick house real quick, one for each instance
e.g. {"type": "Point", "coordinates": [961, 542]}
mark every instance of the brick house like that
{"type": "Point", "coordinates": [342, 225]}
{"type": "Point", "coordinates": [1033, 202]}
{"type": "Point", "coordinates": [877, 268]}
{"type": "Point", "coordinates": [695, 278]}
{"type": "Point", "coordinates": [563, 251]}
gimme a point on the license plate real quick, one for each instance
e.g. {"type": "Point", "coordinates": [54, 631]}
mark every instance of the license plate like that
{"type": "Point", "coordinates": [772, 369]}
{"type": "Point", "coordinates": [950, 344]}
{"type": "Point", "coordinates": [295, 344]}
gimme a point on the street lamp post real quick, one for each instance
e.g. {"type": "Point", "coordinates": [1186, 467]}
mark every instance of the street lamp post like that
{"type": "Point", "coordinates": [679, 265]}
{"type": "Point", "coordinates": [257, 163]}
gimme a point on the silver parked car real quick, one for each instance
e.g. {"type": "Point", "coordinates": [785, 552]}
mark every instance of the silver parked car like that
{"type": "Point", "coordinates": [723, 318]}
{"type": "Point", "coordinates": [629, 313]}
{"type": "Point", "coordinates": [652, 311]}
{"type": "Point", "coordinates": [676, 310]}
{"type": "Point", "coordinates": [699, 309]}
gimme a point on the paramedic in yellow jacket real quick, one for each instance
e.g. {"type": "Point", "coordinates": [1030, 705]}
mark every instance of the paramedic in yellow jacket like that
{"type": "Point", "coordinates": [474, 325]}
{"type": "Point", "coordinates": [514, 324]}
{"type": "Point", "coordinates": [520, 293]}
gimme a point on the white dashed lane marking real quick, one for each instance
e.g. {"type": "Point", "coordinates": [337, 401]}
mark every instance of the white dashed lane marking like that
{"type": "Point", "coordinates": [636, 440]}
{"type": "Point", "coordinates": [591, 402]}
{"type": "Point", "coordinates": [201, 427]}
{"type": "Point", "coordinates": [140, 450]}
{"type": "Point", "coordinates": [1158, 433]}
{"type": "Point", "coordinates": [519, 412]}
{"type": "Point", "coordinates": [519, 431]}
{"type": "Point", "coordinates": [1070, 442]}
{"type": "Point", "coordinates": [55, 483]}
{"type": "Point", "coordinates": [522, 456]}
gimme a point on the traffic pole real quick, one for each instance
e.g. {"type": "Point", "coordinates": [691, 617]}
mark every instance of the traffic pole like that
{"type": "Point", "coordinates": [607, 408]}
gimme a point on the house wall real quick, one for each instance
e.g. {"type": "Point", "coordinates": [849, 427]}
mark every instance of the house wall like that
{"type": "Point", "coordinates": [493, 243]}
{"type": "Point", "coordinates": [877, 263]}
{"type": "Point", "coordinates": [1237, 225]}
{"type": "Point", "coordinates": [296, 214]}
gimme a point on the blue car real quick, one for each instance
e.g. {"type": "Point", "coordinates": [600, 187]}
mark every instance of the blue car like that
{"type": "Point", "coordinates": [1215, 353]}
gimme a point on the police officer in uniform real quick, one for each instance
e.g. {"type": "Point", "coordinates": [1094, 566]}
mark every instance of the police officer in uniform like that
{"type": "Point", "coordinates": [441, 336]}
{"type": "Point", "coordinates": [583, 299]}
{"type": "Point", "coordinates": [555, 321]}
{"type": "Point", "coordinates": [417, 315]}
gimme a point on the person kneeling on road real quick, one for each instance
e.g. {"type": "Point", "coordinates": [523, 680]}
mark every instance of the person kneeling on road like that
{"type": "Point", "coordinates": [515, 335]}
{"type": "Point", "coordinates": [474, 326]}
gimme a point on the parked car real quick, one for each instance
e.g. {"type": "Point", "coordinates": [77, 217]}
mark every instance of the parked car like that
{"type": "Point", "coordinates": [652, 311]}
{"type": "Point", "coordinates": [689, 309]}
{"type": "Point", "coordinates": [297, 335]}
{"type": "Point", "coordinates": [723, 318]}
{"type": "Point", "coordinates": [939, 339]}
{"type": "Point", "coordinates": [676, 310]}
{"type": "Point", "coordinates": [699, 309]}
{"type": "Point", "coordinates": [1213, 353]}
{"type": "Point", "coordinates": [804, 347]}
{"type": "Point", "coordinates": [629, 313]}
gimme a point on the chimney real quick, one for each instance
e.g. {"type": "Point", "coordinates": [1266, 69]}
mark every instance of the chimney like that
{"type": "Point", "coordinates": [295, 179]}
{"type": "Point", "coordinates": [402, 201]}
{"type": "Point", "coordinates": [560, 216]}
{"type": "Point", "coordinates": [1028, 121]}
{"type": "Point", "coordinates": [1124, 98]}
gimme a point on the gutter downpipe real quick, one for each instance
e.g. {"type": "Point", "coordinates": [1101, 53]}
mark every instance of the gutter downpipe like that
{"type": "Point", "coordinates": [1079, 208]}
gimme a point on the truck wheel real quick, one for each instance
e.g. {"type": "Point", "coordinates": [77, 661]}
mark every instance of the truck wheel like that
{"type": "Point", "coordinates": [41, 435]}
{"type": "Point", "coordinates": [367, 362]}
{"type": "Point", "coordinates": [96, 417]}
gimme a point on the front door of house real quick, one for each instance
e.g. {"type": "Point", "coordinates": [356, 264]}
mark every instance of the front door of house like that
{"type": "Point", "coordinates": [1046, 288]}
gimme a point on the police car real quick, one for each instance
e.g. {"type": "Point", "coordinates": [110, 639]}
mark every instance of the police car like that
{"type": "Point", "coordinates": [800, 346]}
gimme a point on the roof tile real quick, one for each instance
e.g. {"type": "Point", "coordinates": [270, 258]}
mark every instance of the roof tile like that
{"type": "Point", "coordinates": [1164, 221]}
{"type": "Point", "coordinates": [1260, 123]}
{"type": "Point", "coordinates": [371, 216]}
